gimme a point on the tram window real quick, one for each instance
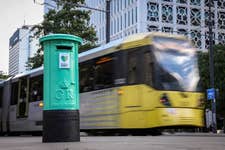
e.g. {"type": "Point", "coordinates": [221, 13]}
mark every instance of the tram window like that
{"type": "Point", "coordinates": [148, 68]}
{"type": "Point", "coordinates": [132, 67]}
{"type": "Point", "coordinates": [86, 74]}
{"type": "Point", "coordinates": [36, 89]}
{"type": "Point", "coordinates": [167, 81]}
{"type": "Point", "coordinates": [14, 93]}
{"type": "Point", "coordinates": [104, 72]}
{"type": "Point", "coordinates": [1, 96]}
{"type": "Point", "coordinates": [23, 89]}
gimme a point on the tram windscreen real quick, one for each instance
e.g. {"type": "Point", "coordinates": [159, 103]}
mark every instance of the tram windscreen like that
{"type": "Point", "coordinates": [176, 64]}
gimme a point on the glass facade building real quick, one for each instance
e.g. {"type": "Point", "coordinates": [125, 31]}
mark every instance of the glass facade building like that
{"type": "Point", "coordinates": [22, 45]}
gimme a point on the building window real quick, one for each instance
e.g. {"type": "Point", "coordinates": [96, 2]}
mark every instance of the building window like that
{"type": "Point", "coordinates": [114, 26]}
{"type": "Point", "coordinates": [111, 29]}
{"type": "Point", "coordinates": [167, 13]}
{"type": "Point", "coordinates": [207, 3]}
{"type": "Point", "coordinates": [196, 38]}
{"type": "Point", "coordinates": [100, 34]}
{"type": "Point", "coordinates": [103, 33]}
{"type": "Point", "coordinates": [114, 7]}
{"type": "Point", "coordinates": [125, 16]}
{"type": "Point", "coordinates": [182, 15]}
{"type": "Point", "coordinates": [195, 17]}
{"type": "Point", "coordinates": [118, 5]}
{"type": "Point", "coordinates": [221, 4]}
{"type": "Point", "coordinates": [111, 7]}
{"type": "Point", "coordinates": [128, 18]}
{"type": "Point", "coordinates": [100, 16]}
{"type": "Point", "coordinates": [153, 11]}
{"type": "Point", "coordinates": [182, 1]}
{"type": "Point", "coordinates": [121, 23]}
{"type": "Point", "coordinates": [132, 16]}
{"type": "Point", "coordinates": [136, 14]}
{"type": "Point", "coordinates": [152, 28]}
{"type": "Point", "coordinates": [221, 20]}
{"type": "Point", "coordinates": [182, 31]}
{"type": "Point", "coordinates": [207, 18]}
{"type": "Point", "coordinates": [118, 24]}
{"type": "Point", "coordinates": [221, 38]}
{"type": "Point", "coordinates": [195, 2]}
{"type": "Point", "coordinates": [167, 29]}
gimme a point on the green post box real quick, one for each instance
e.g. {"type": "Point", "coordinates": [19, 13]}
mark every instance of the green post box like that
{"type": "Point", "coordinates": [61, 88]}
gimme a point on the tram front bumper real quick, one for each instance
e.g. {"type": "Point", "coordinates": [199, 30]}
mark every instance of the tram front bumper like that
{"type": "Point", "coordinates": [179, 117]}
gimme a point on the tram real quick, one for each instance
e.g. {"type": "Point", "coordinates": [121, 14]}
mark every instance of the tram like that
{"type": "Point", "coordinates": [133, 85]}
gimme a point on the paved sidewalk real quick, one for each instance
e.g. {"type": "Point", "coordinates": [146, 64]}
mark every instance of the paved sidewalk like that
{"type": "Point", "coordinates": [168, 142]}
{"type": "Point", "coordinates": [195, 134]}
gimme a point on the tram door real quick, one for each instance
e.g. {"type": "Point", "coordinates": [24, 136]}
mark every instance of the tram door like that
{"type": "Point", "coordinates": [22, 105]}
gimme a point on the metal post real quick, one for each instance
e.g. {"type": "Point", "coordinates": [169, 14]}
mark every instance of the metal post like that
{"type": "Point", "coordinates": [107, 30]}
{"type": "Point", "coordinates": [211, 69]}
{"type": "Point", "coordinates": [107, 18]}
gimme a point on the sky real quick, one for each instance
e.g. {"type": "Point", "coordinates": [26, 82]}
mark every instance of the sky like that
{"type": "Point", "coordinates": [13, 15]}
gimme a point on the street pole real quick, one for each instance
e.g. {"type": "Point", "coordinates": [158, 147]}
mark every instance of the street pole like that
{"type": "Point", "coordinates": [211, 69]}
{"type": "Point", "coordinates": [107, 12]}
{"type": "Point", "coordinates": [107, 30]}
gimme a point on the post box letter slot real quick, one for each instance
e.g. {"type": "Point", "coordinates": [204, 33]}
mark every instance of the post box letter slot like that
{"type": "Point", "coordinates": [64, 47]}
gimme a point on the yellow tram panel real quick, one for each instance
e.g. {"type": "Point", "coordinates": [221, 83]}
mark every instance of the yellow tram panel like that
{"type": "Point", "coordinates": [179, 116]}
{"type": "Point", "coordinates": [140, 107]}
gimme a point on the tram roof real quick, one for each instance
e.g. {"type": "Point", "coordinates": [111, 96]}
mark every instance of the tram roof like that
{"type": "Point", "coordinates": [28, 72]}
{"type": "Point", "coordinates": [131, 41]}
{"type": "Point", "coordinates": [99, 51]}
{"type": "Point", "coordinates": [1, 82]}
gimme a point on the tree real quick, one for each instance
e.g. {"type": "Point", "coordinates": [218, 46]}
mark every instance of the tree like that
{"type": "Point", "coordinates": [219, 74]}
{"type": "Point", "coordinates": [69, 19]}
{"type": "Point", "coordinates": [3, 76]}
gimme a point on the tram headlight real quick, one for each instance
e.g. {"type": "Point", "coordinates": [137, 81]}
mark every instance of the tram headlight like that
{"type": "Point", "coordinates": [120, 91]}
{"type": "Point", "coordinates": [164, 99]}
{"type": "Point", "coordinates": [41, 104]}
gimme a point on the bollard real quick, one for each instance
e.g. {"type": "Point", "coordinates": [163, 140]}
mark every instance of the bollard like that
{"type": "Point", "coordinates": [61, 88]}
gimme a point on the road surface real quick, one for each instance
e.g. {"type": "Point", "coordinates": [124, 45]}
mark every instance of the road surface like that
{"type": "Point", "coordinates": [164, 142]}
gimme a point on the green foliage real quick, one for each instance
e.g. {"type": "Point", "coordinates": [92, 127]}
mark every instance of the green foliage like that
{"type": "Point", "coordinates": [3, 76]}
{"type": "Point", "coordinates": [35, 61]}
{"type": "Point", "coordinates": [219, 74]}
{"type": "Point", "coordinates": [69, 19]}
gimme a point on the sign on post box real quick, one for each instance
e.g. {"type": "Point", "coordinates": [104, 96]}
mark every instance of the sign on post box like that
{"type": "Point", "coordinates": [64, 60]}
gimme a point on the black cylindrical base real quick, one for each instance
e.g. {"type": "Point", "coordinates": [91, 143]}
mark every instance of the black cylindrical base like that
{"type": "Point", "coordinates": [61, 126]}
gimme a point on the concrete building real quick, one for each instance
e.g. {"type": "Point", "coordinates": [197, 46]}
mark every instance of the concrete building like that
{"type": "Point", "coordinates": [21, 47]}
{"type": "Point", "coordinates": [48, 5]}
{"type": "Point", "coordinates": [188, 17]}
